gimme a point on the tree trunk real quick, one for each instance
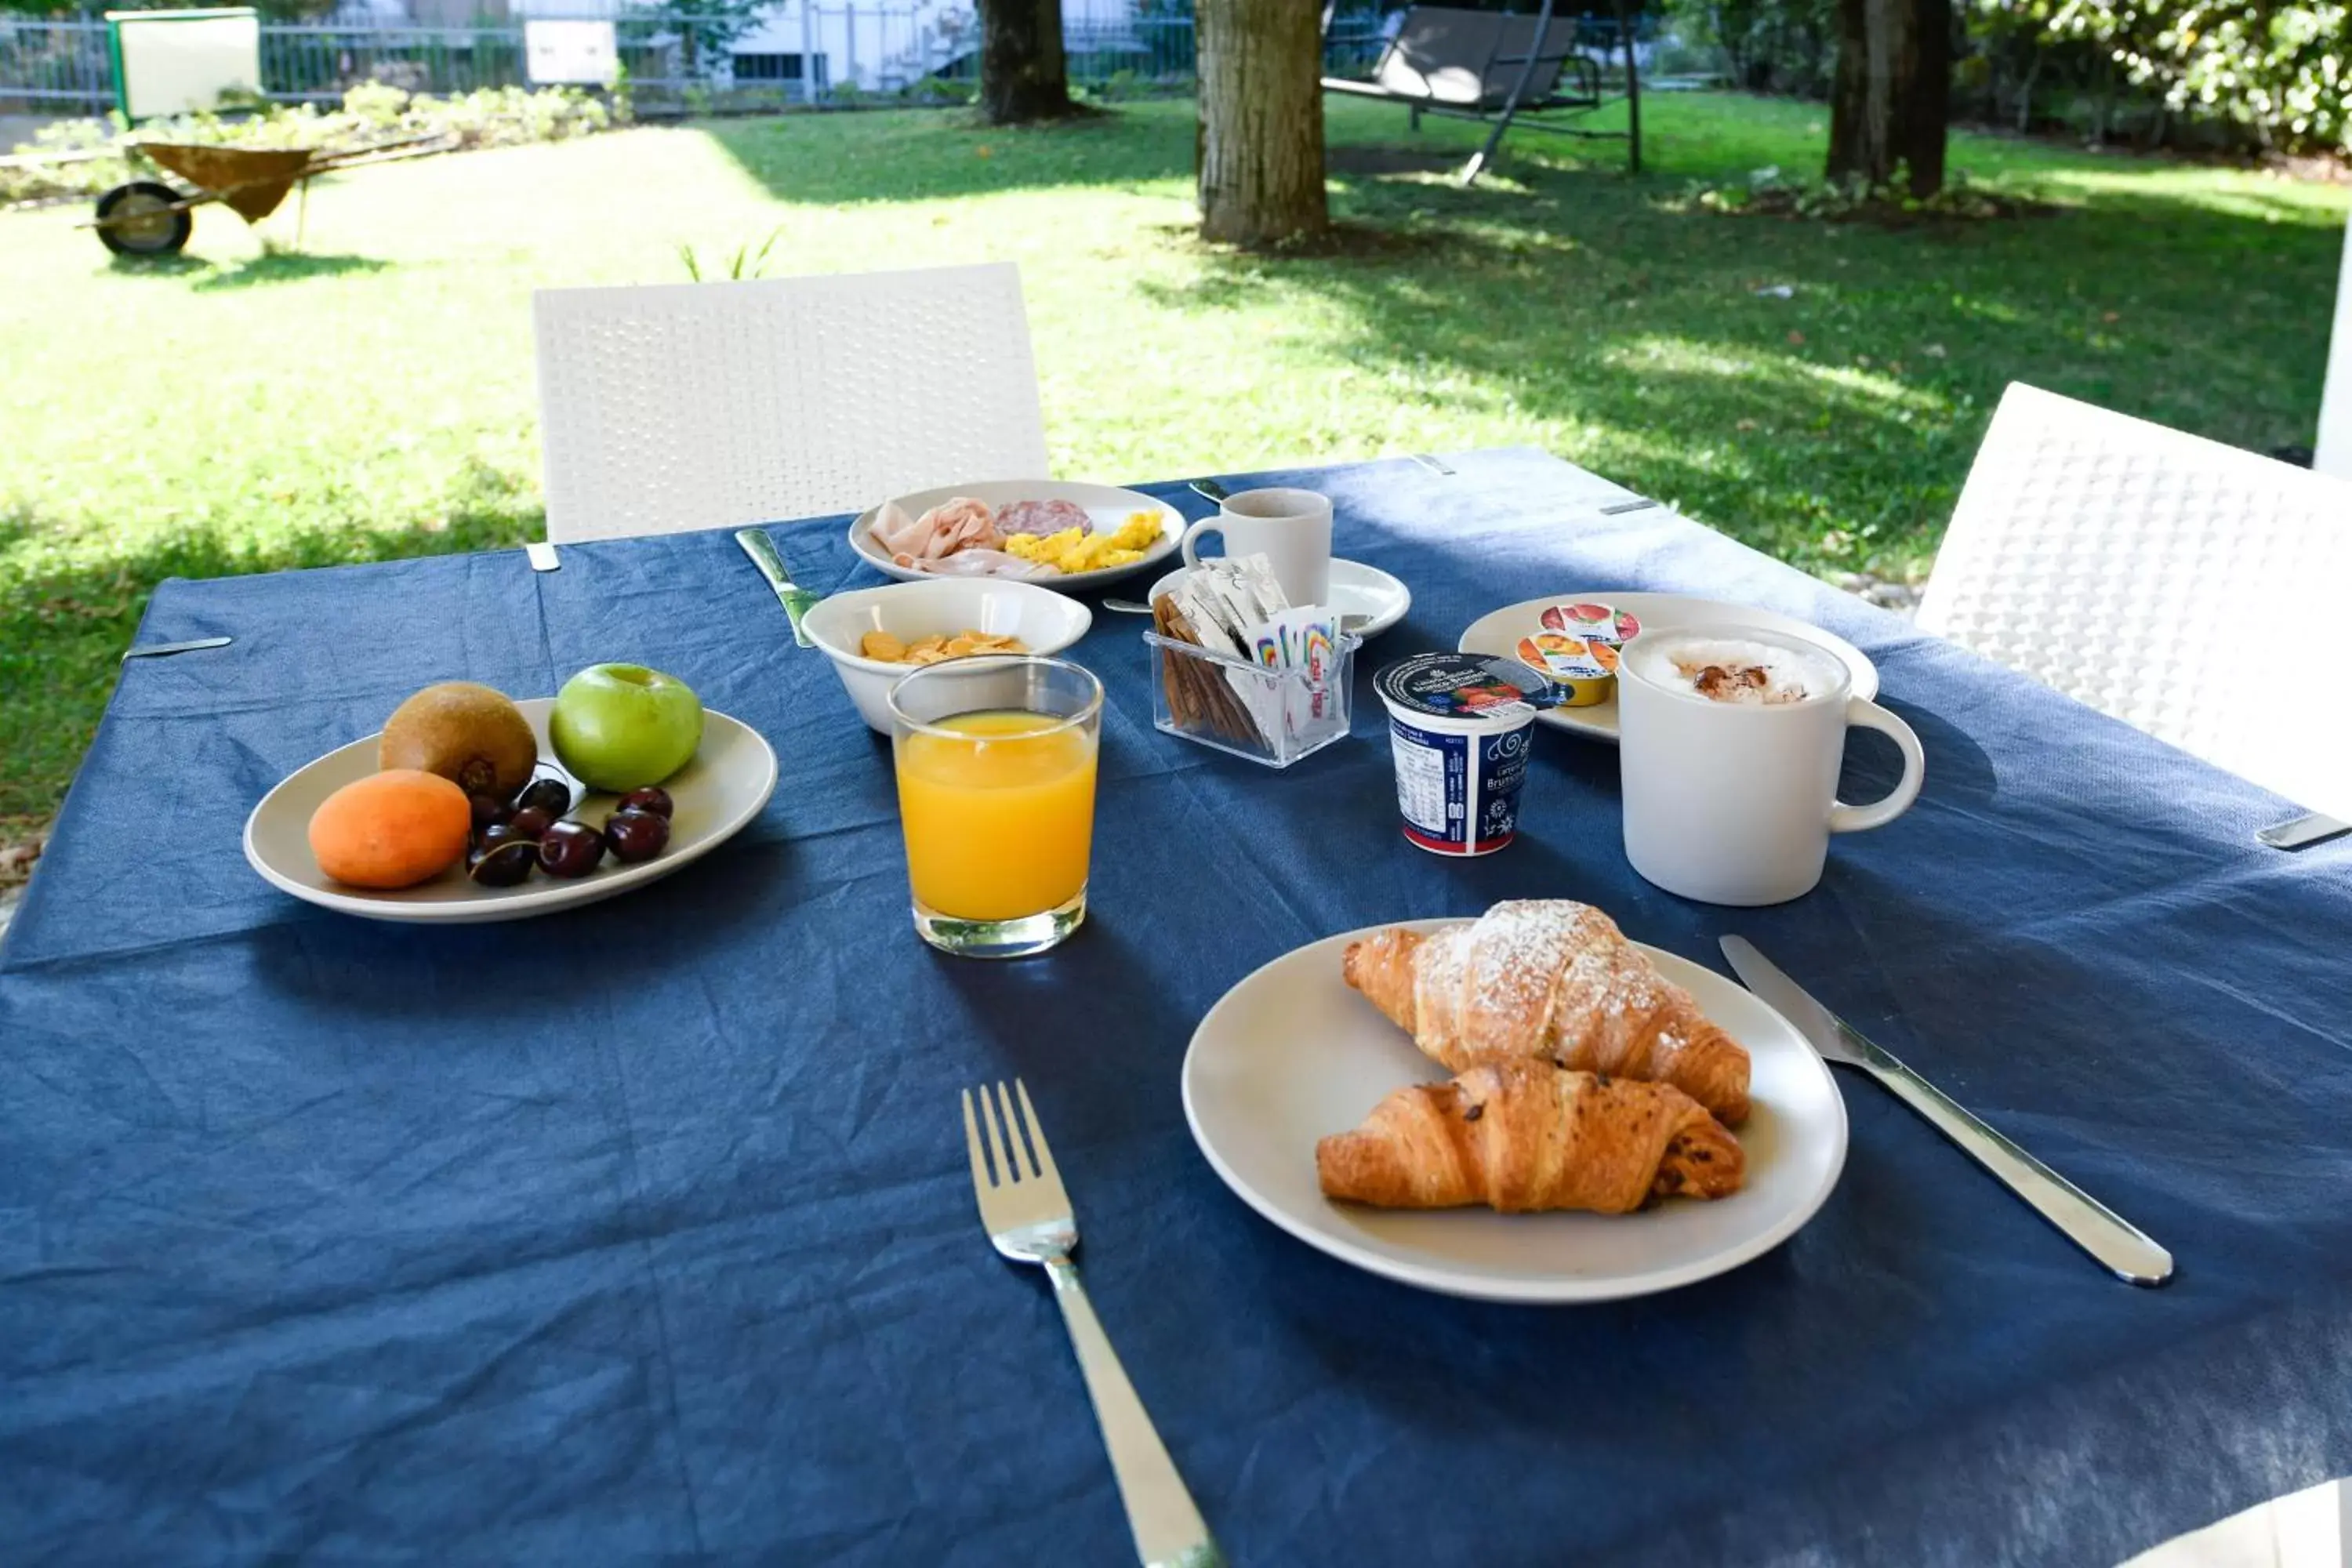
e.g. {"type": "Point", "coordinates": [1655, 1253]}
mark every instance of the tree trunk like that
{"type": "Point", "coordinates": [1261, 66]}
{"type": "Point", "coordinates": [1892, 94]}
{"type": "Point", "coordinates": [1022, 74]}
{"type": "Point", "coordinates": [1861, 98]}
{"type": "Point", "coordinates": [1928, 105]}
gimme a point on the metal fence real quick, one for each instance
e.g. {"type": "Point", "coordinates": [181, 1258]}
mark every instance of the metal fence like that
{"type": "Point", "coordinates": [798, 51]}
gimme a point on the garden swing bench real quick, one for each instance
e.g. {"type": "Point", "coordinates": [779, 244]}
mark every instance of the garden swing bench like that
{"type": "Point", "coordinates": [1494, 67]}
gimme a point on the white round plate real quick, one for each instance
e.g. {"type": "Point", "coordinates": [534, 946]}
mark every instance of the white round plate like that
{"type": "Point", "coordinates": [723, 788]}
{"type": "Point", "coordinates": [1355, 590]}
{"type": "Point", "coordinates": [1500, 632]}
{"type": "Point", "coordinates": [1291, 1055]}
{"type": "Point", "coordinates": [1108, 505]}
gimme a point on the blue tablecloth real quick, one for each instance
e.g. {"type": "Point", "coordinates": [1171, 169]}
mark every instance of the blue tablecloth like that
{"type": "Point", "coordinates": [645, 1232]}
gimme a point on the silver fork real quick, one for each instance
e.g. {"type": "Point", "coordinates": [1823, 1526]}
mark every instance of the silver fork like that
{"type": "Point", "coordinates": [1027, 1215]}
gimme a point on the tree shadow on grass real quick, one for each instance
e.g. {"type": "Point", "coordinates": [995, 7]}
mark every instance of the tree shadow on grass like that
{"type": "Point", "coordinates": [1834, 427]}
{"type": "Point", "coordinates": [928, 154]}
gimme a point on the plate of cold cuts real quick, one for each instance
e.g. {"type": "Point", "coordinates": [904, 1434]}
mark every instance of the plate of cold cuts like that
{"type": "Point", "coordinates": [1047, 532]}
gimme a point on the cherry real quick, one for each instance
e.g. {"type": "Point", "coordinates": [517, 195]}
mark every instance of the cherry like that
{"type": "Point", "coordinates": [635, 835]}
{"type": "Point", "coordinates": [570, 849]}
{"type": "Point", "coordinates": [653, 798]}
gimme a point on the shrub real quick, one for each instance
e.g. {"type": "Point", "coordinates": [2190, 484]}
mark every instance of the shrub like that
{"type": "Point", "coordinates": [1765, 192]}
{"type": "Point", "coordinates": [370, 112]}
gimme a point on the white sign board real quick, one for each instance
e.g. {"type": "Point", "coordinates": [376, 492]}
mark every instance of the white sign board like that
{"type": "Point", "coordinates": [582, 53]}
{"type": "Point", "coordinates": [169, 62]}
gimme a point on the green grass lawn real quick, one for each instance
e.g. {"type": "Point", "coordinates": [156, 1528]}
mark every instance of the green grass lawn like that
{"type": "Point", "coordinates": [243, 411]}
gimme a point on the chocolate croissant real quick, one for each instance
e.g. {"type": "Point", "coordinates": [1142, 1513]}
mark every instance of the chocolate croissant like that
{"type": "Point", "coordinates": [1550, 978]}
{"type": "Point", "coordinates": [1523, 1135]}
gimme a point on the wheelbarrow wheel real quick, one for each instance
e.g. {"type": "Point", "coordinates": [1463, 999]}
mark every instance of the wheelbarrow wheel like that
{"type": "Point", "coordinates": [138, 219]}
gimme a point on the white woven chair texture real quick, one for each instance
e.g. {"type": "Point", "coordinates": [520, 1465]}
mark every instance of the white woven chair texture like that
{"type": "Point", "coordinates": [717, 404]}
{"type": "Point", "coordinates": [2191, 589]}
{"type": "Point", "coordinates": [2334, 453]}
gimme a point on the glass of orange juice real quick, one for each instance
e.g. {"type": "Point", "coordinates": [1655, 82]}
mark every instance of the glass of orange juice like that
{"type": "Point", "coordinates": [996, 792]}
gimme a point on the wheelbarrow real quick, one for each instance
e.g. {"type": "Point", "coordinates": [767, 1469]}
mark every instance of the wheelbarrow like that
{"type": "Point", "coordinates": [148, 217]}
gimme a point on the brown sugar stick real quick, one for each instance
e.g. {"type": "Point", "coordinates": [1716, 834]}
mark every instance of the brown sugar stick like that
{"type": "Point", "coordinates": [1201, 698]}
{"type": "Point", "coordinates": [1229, 717]}
{"type": "Point", "coordinates": [1180, 700]}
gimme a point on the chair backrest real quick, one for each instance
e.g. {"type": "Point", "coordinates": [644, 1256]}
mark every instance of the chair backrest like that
{"type": "Point", "coordinates": [2334, 452]}
{"type": "Point", "coordinates": [2191, 589]}
{"type": "Point", "coordinates": [1472, 58]}
{"type": "Point", "coordinates": [717, 404]}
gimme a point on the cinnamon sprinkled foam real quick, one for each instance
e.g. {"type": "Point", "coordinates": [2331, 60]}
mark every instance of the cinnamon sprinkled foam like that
{"type": "Point", "coordinates": [1733, 669]}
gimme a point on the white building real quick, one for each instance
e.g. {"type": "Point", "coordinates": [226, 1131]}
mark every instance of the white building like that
{"type": "Point", "coordinates": [878, 46]}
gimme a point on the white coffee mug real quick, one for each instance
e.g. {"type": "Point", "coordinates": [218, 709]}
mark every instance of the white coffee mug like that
{"type": "Point", "coordinates": [1734, 803]}
{"type": "Point", "coordinates": [1292, 529]}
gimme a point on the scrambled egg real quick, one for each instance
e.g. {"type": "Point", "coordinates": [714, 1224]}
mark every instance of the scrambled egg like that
{"type": "Point", "coordinates": [1071, 551]}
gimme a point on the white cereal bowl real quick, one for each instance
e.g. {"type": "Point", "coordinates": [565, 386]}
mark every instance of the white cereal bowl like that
{"type": "Point", "coordinates": [1045, 620]}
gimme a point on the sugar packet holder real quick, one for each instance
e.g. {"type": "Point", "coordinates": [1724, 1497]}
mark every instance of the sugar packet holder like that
{"type": "Point", "coordinates": [1214, 700]}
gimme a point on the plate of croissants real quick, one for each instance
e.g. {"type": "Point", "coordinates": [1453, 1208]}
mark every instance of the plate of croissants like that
{"type": "Point", "coordinates": [1525, 1106]}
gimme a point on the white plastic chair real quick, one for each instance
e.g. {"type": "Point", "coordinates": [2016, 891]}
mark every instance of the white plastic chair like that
{"type": "Point", "coordinates": [717, 404]}
{"type": "Point", "coordinates": [2334, 453]}
{"type": "Point", "coordinates": [2192, 589]}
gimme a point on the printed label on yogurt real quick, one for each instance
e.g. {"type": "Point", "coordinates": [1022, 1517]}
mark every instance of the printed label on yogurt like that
{"type": "Point", "coordinates": [1459, 794]}
{"type": "Point", "coordinates": [1432, 772]}
{"type": "Point", "coordinates": [1502, 769]}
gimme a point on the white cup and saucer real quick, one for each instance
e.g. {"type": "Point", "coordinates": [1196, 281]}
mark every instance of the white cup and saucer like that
{"type": "Point", "coordinates": [1292, 529]}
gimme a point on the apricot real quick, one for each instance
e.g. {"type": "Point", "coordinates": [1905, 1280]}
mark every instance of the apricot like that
{"type": "Point", "coordinates": [391, 829]}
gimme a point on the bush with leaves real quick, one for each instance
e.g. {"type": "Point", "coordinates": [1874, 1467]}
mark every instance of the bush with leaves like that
{"type": "Point", "coordinates": [1767, 193]}
{"type": "Point", "coordinates": [2280, 68]}
{"type": "Point", "coordinates": [371, 111]}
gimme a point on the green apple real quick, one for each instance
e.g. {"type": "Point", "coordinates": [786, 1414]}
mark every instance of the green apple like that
{"type": "Point", "coordinates": [621, 727]}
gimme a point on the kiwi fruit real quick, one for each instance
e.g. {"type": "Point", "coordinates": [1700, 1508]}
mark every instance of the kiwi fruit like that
{"type": "Point", "coordinates": [468, 734]}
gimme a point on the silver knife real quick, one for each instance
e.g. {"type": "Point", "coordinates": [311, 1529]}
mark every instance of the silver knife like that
{"type": "Point", "coordinates": [2086, 1222]}
{"type": "Point", "coordinates": [160, 649]}
{"type": "Point", "coordinates": [2304, 832]}
{"type": "Point", "coordinates": [795, 600]}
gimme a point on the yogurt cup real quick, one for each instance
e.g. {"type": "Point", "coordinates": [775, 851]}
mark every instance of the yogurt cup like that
{"type": "Point", "coordinates": [1459, 726]}
{"type": "Point", "coordinates": [1579, 648]}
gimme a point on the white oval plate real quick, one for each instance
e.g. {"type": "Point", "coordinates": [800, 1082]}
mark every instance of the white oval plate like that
{"type": "Point", "coordinates": [723, 788]}
{"type": "Point", "coordinates": [1107, 504]}
{"type": "Point", "coordinates": [1499, 633]}
{"type": "Point", "coordinates": [1355, 590]}
{"type": "Point", "coordinates": [1291, 1055]}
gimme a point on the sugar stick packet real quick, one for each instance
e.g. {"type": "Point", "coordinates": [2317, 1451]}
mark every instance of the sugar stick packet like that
{"type": "Point", "coordinates": [1227, 601]}
{"type": "Point", "coordinates": [1304, 643]}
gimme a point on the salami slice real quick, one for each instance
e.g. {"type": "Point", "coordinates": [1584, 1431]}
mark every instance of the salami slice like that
{"type": "Point", "coordinates": [1042, 517]}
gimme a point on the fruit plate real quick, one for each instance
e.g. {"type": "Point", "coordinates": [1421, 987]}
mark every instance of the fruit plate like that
{"type": "Point", "coordinates": [715, 795]}
{"type": "Point", "coordinates": [1291, 1055]}
{"type": "Point", "coordinates": [1498, 634]}
{"type": "Point", "coordinates": [1108, 505]}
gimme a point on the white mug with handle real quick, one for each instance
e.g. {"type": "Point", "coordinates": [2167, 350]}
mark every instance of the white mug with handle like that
{"type": "Point", "coordinates": [1734, 801]}
{"type": "Point", "coordinates": [1292, 529]}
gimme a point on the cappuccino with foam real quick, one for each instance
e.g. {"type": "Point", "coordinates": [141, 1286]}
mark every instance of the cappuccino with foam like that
{"type": "Point", "coordinates": [1734, 669]}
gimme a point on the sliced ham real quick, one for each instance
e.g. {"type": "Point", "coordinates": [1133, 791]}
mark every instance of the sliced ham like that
{"type": "Point", "coordinates": [893, 529]}
{"type": "Point", "coordinates": [962, 523]}
{"type": "Point", "coordinates": [982, 563]}
{"type": "Point", "coordinates": [958, 525]}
